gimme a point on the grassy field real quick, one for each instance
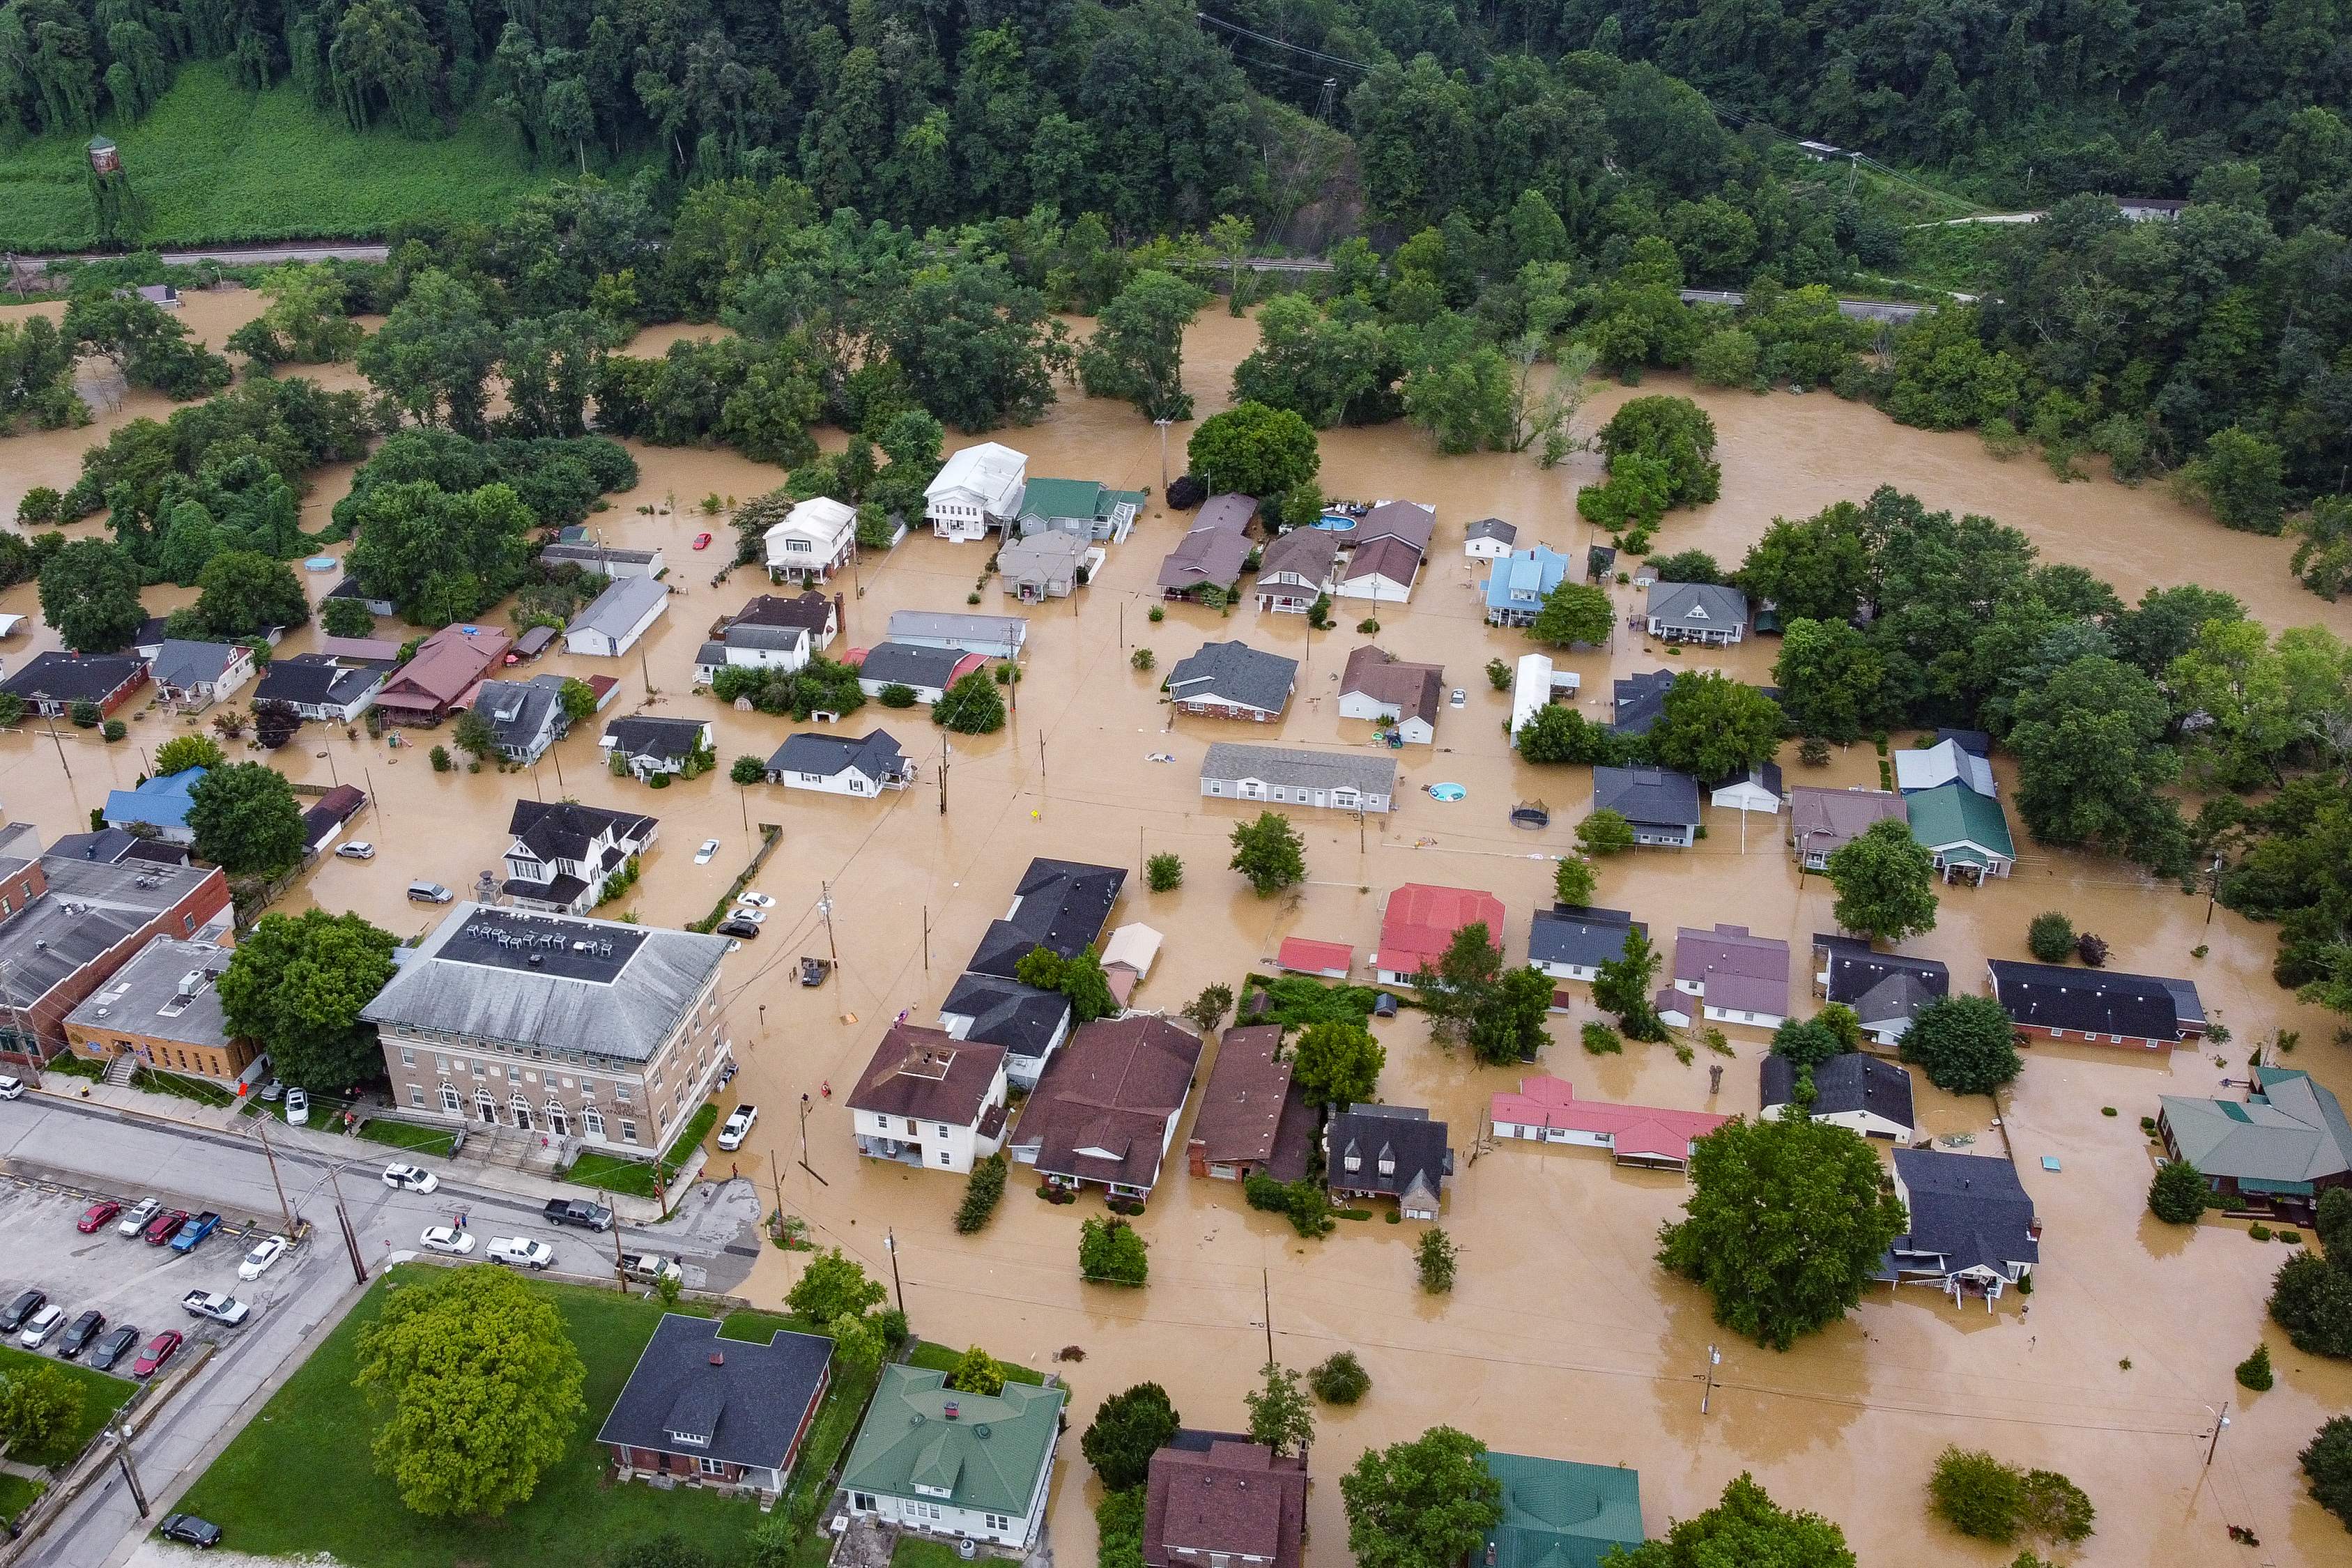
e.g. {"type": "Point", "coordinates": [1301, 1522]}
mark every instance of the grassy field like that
{"type": "Point", "coordinates": [312, 1439]}
{"type": "Point", "coordinates": [17, 1494]}
{"type": "Point", "coordinates": [102, 1396]}
{"type": "Point", "coordinates": [214, 164]}
{"type": "Point", "coordinates": [407, 1135]}
{"type": "Point", "coordinates": [933, 1356]}
{"type": "Point", "coordinates": [612, 1174]}
{"type": "Point", "coordinates": [911, 1552]}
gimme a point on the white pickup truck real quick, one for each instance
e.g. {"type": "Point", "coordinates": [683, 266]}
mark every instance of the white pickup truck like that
{"type": "Point", "coordinates": [212, 1304]}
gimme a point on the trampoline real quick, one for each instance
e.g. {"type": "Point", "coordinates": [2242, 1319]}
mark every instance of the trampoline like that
{"type": "Point", "coordinates": [1447, 792]}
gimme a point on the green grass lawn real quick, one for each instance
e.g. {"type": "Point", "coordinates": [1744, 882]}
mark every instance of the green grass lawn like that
{"type": "Point", "coordinates": [215, 163]}
{"type": "Point", "coordinates": [204, 1091]}
{"type": "Point", "coordinates": [612, 1174]}
{"type": "Point", "coordinates": [311, 1442]}
{"type": "Point", "coordinates": [407, 1135]}
{"type": "Point", "coordinates": [17, 1494]}
{"type": "Point", "coordinates": [912, 1553]}
{"type": "Point", "coordinates": [933, 1356]}
{"type": "Point", "coordinates": [102, 1396]}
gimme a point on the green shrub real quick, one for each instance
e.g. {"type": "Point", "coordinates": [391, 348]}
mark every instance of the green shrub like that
{"type": "Point", "coordinates": [659, 781]}
{"type": "Point", "coordinates": [2051, 937]}
{"type": "Point", "coordinates": [2254, 1371]}
{"type": "Point", "coordinates": [2176, 1195]}
{"type": "Point", "coordinates": [1163, 873]}
{"type": "Point", "coordinates": [982, 1193]}
{"type": "Point", "coordinates": [1601, 1040]}
{"type": "Point", "coordinates": [113, 730]}
{"type": "Point", "coordinates": [2291, 1237]}
{"type": "Point", "coordinates": [85, 715]}
{"type": "Point", "coordinates": [896, 694]}
{"type": "Point", "coordinates": [2259, 1231]}
{"type": "Point", "coordinates": [1159, 614]}
{"type": "Point", "coordinates": [1434, 1259]}
{"type": "Point", "coordinates": [1339, 1379]}
{"type": "Point", "coordinates": [1142, 659]}
{"type": "Point", "coordinates": [439, 757]}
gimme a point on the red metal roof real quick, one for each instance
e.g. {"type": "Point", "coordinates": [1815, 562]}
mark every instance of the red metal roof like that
{"type": "Point", "coordinates": [1420, 919]}
{"type": "Point", "coordinates": [1551, 1102]}
{"type": "Point", "coordinates": [1308, 956]}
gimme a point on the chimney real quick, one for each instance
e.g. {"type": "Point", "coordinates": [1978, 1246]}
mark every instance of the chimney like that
{"type": "Point", "coordinates": [719, 1358]}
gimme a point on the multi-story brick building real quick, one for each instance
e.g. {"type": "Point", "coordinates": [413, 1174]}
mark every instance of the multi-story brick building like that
{"type": "Point", "coordinates": [596, 1030]}
{"type": "Point", "coordinates": [68, 923]}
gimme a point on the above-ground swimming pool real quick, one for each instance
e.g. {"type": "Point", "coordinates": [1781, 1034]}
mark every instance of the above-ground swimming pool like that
{"type": "Point", "coordinates": [1336, 522]}
{"type": "Point", "coordinates": [1447, 791]}
{"type": "Point", "coordinates": [321, 563]}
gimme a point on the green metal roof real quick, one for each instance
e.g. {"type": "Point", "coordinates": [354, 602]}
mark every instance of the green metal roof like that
{"type": "Point", "coordinates": [1953, 815]}
{"type": "Point", "coordinates": [988, 1457]}
{"type": "Point", "coordinates": [1062, 498]}
{"type": "Point", "coordinates": [1560, 1514]}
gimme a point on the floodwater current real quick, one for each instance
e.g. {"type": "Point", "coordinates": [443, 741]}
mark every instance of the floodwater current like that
{"type": "Point", "coordinates": [1562, 1338]}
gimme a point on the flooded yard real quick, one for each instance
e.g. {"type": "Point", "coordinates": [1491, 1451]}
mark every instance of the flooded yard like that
{"type": "Point", "coordinates": [1563, 1337]}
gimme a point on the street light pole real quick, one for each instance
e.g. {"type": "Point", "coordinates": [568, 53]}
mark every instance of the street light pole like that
{"type": "Point", "coordinates": [121, 1435]}
{"type": "Point", "coordinates": [2220, 1426]}
{"type": "Point", "coordinates": [284, 1209]}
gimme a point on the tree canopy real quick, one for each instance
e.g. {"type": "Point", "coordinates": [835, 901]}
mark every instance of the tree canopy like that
{"type": "Point", "coordinates": [246, 820]}
{"type": "Point", "coordinates": [1965, 1043]}
{"type": "Point", "coordinates": [1129, 1428]}
{"type": "Point", "coordinates": [1886, 882]}
{"type": "Point", "coordinates": [295, 985]}
{"type": "Point", "coordinates": [1746, 1527]}
{"type": "Point", "coordinates": [1424, 1502]}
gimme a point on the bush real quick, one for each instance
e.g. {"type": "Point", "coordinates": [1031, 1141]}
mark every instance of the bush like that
{"type": "Point", "coordinates": [982, 1193]}
{"type": "Point", "coordinates": [748, 770]}
{"type": "Point", "coordinates": [2177, 1194]}
{"type": "Point", "coordinates": [1368, 625]}
{"type": "Point", "coordinates": [1159, 614]}
{"type": "Point", "coordinates": [659, 781]}
{"type": "Point", "coordinates": [85, 715]}
{"type": "Point", "coordinates": [1186, 493]}
{"type": "Point", "coordinates": [2291, 1237]}
{"type": "Point", "coordinates": [2051, 937]}
{"type": "Point", "coordinates": [2328, 1466]}
{"type": "Point", "coordinates": [2254, 1371]}
{"type": "Point", "coordinates": [2091, 949]}
{"type": "Point", "coordinates": [1977, 1495]}
{"type": "Point", "coordinates": [113, 730]}
{"type": "Point", "coordinates": [1130, 1426]}
{"type": "Point", "coordinates": [896, 694]}
{"type": "Point", "coordinates": [1304, 1203]}
{"type": "Point", "coordinates": [1339, 1379]}
{"type": "Point", "coordinates": [1111, 1253]}
{"type": "Point", "coordinates": [2259, 1231]}
{"type": "Point", "coordinates": [1142, 659]}
{"type": "Point", "coordinates": [1498, 675]}
{"type": "Point", "coordinates": [1165, 873]}
{"type": "Point", "coordinates": [1434, 1259]}
{"type": "Point", "coordinates": [1601, 1040]}
{"type": "Point", "coordinates": [439, 757]}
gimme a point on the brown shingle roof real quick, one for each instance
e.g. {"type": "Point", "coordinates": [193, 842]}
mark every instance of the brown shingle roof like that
{"type": "Point", "coordinates": [1218, 1492]}
{"type": "Point", "coordinates": [1308, 551]}
{"type": "Point", "coordinates": [449, 661]}
{"type": "Point", "coordinates": [1821, 820]}
{"type": "Point", "coordinates": [1240, 1108]}
{"type": "Point", "coordinates": [1380, 675]}
{"type": "Point", "coordinates": [1394, 559]}
{"type": "Point", "coordinates": [927, 1074]}
{"type": "Point", "coordinates": [1102, 1108]}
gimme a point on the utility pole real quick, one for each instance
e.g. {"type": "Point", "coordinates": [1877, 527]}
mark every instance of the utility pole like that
{"type": "Point", "coordinates": [343, 1219]}
{"type": "Point", "coordinates": [556, 756]}
{"type": "Point", "coordinates": [620, 1269]}
{"type": "Point", "coordinates": [927, 938]}
{"type": "Point", "coordinates": [58, 740]}
{"type": "Point", "coordinates": [1713, 1359]}
{"type": "Point", "coordinates": [1163, 424]}
{"type": "Point", "coordinates": [1041, 764]}
{"type": "Point", "coordinates": [2219, 1426]}
{"type": "Point", "coordinates": [644, 669]}
{"type": "Point", "coordinates": [2212, 887]}
{"type": "Point", "coordinates": [824, 907]}
{"type": "Point", "coordinates": [890, 1245]}
{"type": "Point", "coordinates": [946, 752]}
{"type": "Point", "coordinates": [129, 1472]}
{"type": "Point", "coordinates": [804, 1164]}
{"type": "Point", "coordinates": [1265, 1296]}
{"type": "Point", "coordinates": [269, 1154]}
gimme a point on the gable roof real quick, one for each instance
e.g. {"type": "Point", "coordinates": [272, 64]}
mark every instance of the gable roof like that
{"type": "Point", "coordinates": [1746, 974]}
{"type": "Point", "coordinates": [811, 610]}
{"type": "Point", "coordinates": [1709, 607]}
{"type": "Point", "coordinates": [1560, 1514]}
{"type": "Point", "coordinates": [1307, 553]}
{"type": "Point", "coordinates": [1234, 672]}
{"type": "Point", "coordinates": [1492, 528]}
{"type": "Point", "coordinates": [1003, 1012]}
{"type": "Point", "coordinates": [1226, 511]}
{"type": "Point", "coordinates": [1657, 797]}
{"type": "Point", "coordinates": [1394, 559]}
{"type": "Point", "coordinates": [2095, 1000]}
{"type": "Point", "coordinates": [1219, 1493]}
{"type": "Point", "coordinates": [829, 756]}
{"type": "Point", "coordinates": [1970, 1210]}
{"type": "Point", "coordinates": [520, 710]}
{"type": "Point", "coordinates": [911, 664]}
{"type": "Point", "coordinates": [1310, 956]}
{"type": "Point", "coordinates": [449, 661]}
{"type": "Point", "coordinates": [1250, 1107]}
{"type": "Point", "coordinates": [960, 626]}
{"type": "Point", "coordinates": [161, 802]}
{"type": "Point", "coordinates": [991, 472]}
{"type": "Point", "coordinates": [988, 1458]}
{"type": "Point", "coordinates": [183, 662]}
{"type": "Point", "coordinates": [1103, 1107]}
{"type": "Point", "coordinates": [2290, 1131]}
{"type": "Point", "coordinates": [1525, 576]}
{"type": "Point", "coordinates": [1826, 819]}
{"type": "Point", "coordinates": [310, 679]}
{"type": "Point", "coordinates": [1848, 1083]}
{"type": "Point", "coordinates": [1957, 822]}
{"type": "Point", "coordinates": [1403, 1134]}
{"type": "Point", "coordinates": [928, 1075]}
{"type": "Point", "coordinates": [566, 830]}
{"type": "Point", "coordinates": [1204, 557]}
{"type": "Point", "coordinates": [1060, 905]}
{"type": "Point", "coordinates": [1294, 768]}
{"type": "Point", "coordinates": [1639, 700]}
{"type": "Point", "coordinates": [1579, 935]}
{"type": "Point", "coordinates": [645, 735]}
{"type": "Point", "coordinates": [1946, 762]}
{"type": "Point", "coordinates": [1856, 971]}
{"type": "Point", "coordinates": [1047, 556]}
{"type": "Point", "coordinates": [1412, 689]}
{"type": "Point", "coordinates": [1640, 1130]}
{"type": "Point", "coordinates": [747, 1398]}
{"type": "Point", "coordinates": [1408, 520]}
{"type": "Point", "coordinates": [73, 676]}
{"type": "Point", "coordinates": [617, 610]}
{"type": "Point", "coordinates": [1420, 919]}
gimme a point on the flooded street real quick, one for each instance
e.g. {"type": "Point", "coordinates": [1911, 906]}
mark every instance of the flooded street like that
{"type": "Point", "coordinates": [1561, 1338]}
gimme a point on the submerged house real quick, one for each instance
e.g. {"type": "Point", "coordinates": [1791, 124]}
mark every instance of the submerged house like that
{"type": "Point", "coordinates": [1389, 1151]}
{"type": "Point", "coordinates": [927, 1098]}
{"type": "Point", "coordinates": [1972, 1227]}
{"type": "Point", "coordinates": [2277, 1150]}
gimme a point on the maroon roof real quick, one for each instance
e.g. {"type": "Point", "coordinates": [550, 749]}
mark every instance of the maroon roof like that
{"type": "Point", "coordinates": [928, 1074]}
{"type": "Point", "coordinates": [1382, 675]}
{"type": "Point", "coordinates": [1394, 559]}
{"type": "Point", "coordinates": [1102, 1108]}
{"type": "Point", "coordinates": [1217, 1492]}
{"type": "Point", "coordinates": [1204, 557]}
{"type": "Point", "coordinates": [1249, 1111]}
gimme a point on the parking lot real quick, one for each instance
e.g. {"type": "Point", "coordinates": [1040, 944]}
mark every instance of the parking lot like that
{"type": "Point", "coordinates": [120, 1274]}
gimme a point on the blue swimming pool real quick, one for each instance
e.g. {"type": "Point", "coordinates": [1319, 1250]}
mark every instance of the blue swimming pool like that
{"type": "Point", "coordinates": [1336, 522]}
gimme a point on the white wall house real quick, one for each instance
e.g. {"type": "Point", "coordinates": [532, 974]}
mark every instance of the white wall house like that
{"type": "Point", "coordinates": [812, 542]}
{"type": "Point", "coordinates": [930, 1101]}
{"type": "Point", "coordinates": [977, 489]}
{"type": "Point", "coordinates": [621, 614]}
{"type": "Point", "coordinates": [1534, 683]}
{"type": "Point", "coordinates": [935, 1146]}
{"type": "Point", "coordinates": [752, 646]}
{"type": "Point", "coordinates": [956, 1466]}
{"type": "Point", "coordinates": [837, 765]}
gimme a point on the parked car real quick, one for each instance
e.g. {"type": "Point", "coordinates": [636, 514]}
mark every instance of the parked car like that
{"type": "Point", "coordinates": [702, 854]}
{"type": "Point", "coordinates": [93, 1218]}
{"type": "Point", "coordinates": [274, 1091]}
{"type": "Point", "coordinates": [428, 893]}
{"type": "Point", "coordinates": [581, 1211]}
{"type": "Point", "coordinates": [410, 1178]}
{"type": "Point", "coordinates": [194, 1233]}
{"type": "Point", "coordinates": [22, 1308]}
{"type": "Point", "coordinates": [158, 1350]}
{"type": "Point", "coordinates": [86, 1327]}
{"type": "Point", "coordinates": [262, 1253]}
{"type": "Point", "coordinates": [650, 1268]}
{"type": "Point", "coordinates": [357, 850]}
{"type": "Point", "coordinates": [166, 1225]}
{"type": "Point", "coordinates": [702, 541]}
{"type": "Point", "coordinates": [447, 1238]}
{"type": "Point", "coordinates": [737, 926]}
{"type": "Point", "coordinates": [40, 1326]}
{"type": "Point", "coordinates": [755, 900]}
{"type": "Point", "coordinates": [757, 917]}
{"type": "Point", "coordinates": [738, 1128]}
{"type": "Point", "coordinates": [114, 1346]}
{"type": "Point", "coordinates": [135, 1218]}
{"type": "Point", "coordinates": [520, 1252]}
{"type": "Point", "coordinates": [190, 1530]}
{"type": "Point", "coordinates": [212, 1304]}
{"type": "Point", "coordinates": [1458, 698]}
{"type": "Point", "coordinates": [297, 1107]}
{"type": "Point", "coordinates": [11, 1088]}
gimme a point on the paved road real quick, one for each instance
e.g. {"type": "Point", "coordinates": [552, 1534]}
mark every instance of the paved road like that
{"type": "Point", "coordinates": [110, 1152]}
{"type": "Point", "coordinates": [1853, 310]}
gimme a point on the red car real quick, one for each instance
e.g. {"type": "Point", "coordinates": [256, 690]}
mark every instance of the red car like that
{"type": "Point", "coordinates": [159, 1349]}
{"type": "Point", "coordinates": [97, 1215]}
{"type": "Point", "coordinates": [166, 1225]}
{"type": "Point", "coordinates": [702, 541]}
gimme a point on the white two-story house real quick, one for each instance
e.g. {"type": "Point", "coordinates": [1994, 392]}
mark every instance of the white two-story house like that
{"type": "Point", "coordinates": [927, 1098]}
{"type": "Point", "coordinates": [814, 541]}
{"type": "Point", "coordinates": [977, 489]}
{"type": "Point", "coordinates": [562, 854]}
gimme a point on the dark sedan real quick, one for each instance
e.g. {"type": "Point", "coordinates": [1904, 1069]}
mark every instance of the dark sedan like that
{"type": "Point", "coordinates": [80, 1334]}
{"type": "Point", "coordinates": [188, 1530]}
{"type": "Point", "coordinates": [22, 1308]}
{"type": "Point", "coordinates": [110, 1351]}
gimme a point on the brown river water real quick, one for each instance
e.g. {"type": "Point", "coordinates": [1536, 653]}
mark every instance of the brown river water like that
{"type": "Point", "coordinates": [1561, 1338]}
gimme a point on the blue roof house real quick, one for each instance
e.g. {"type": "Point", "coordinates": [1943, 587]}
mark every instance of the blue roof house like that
{"type": "Point", "coordinates": [1515, 592]}
{"type": "Point", "coordinates": [161, 804]}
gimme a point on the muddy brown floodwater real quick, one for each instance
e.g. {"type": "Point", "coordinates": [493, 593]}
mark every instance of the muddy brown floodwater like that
{"type": "Point", "coordinates": [1562, 1338]}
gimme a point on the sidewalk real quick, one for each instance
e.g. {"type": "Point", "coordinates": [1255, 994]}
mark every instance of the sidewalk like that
{"type": "Point", "coordinates": [457, 1176]}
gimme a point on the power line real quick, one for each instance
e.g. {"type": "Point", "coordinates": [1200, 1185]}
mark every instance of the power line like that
{"type": "Point", "coordinates": [1236, 28]}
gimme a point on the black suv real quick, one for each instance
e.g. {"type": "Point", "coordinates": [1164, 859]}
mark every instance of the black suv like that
{"type": "Point", "coordinates": [83, 1329]}
{"type": "Point", "coordinates": [22, 1308]}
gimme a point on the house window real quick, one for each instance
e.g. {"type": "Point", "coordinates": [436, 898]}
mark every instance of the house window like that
{"type": "Point", "coordinates": [1353, 1162]}
{"type": "Point", "coordinates": [188, 925]}
{"type": "Point", "coordinates": [450, 1101]}
{"type": "Point", "coordinates": [710, 1467]}
{"type": "Point", "coordinates": [862, 1502]}
{"type": "Point", "coordinates": [592, 1119]}
{"type": "Point", "coordinates": [416, 1095]}
{"type": "Point", "coordinates": [628, 1131]}
{"type": "Point", "coordinates": [1388, 1164]}
{"type": "Point", "coordinates": [407, 1057]}
{"type": "Point", "coordinates": [944, 1158]}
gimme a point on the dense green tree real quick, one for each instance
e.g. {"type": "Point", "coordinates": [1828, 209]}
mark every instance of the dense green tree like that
{"type": "Point", "coordinates": [2165, 622]}
{"type": "Point", "coordinates": [1574, 612]}
{"type": "Point", "coordinates": [246, 820]}
{"type": "Point", "coordinates": [346, 618]}
{"type": "Point", "coordinates": [245, 595]}
{"type": "Point", "coordinates": [1807, 1042]}
{"type": "Point", "coordinates": [832, 1285]}
{"type": "Point", "coordinates": [1714, 727]}
{"type": "Point", "coordinates": [152, 346]}
{"type": "Point", "coordinates": [1746, 1527]}
{"type": "Point", "coordinates": [2092, 758]}
{"type": "Point", "coordinates": [1328, 368]}
{"type": "Point", "coordinates": [1137, 354]}
{"type": "Point", "coordinates": [1674, 431]}
{"type": "Point", "coordinates": [1270, 852]}
{"type": "Point", "coordinates": [1886, 882]}
{"type": "Point", "coordinates": [1425, 1502]}
{"type": "Point", "coordinates": [1558, 734]}
{"type": "Point", "coordinates": [39, 1403]}
{"type": "Point", "coordinates": [2242, 478]}
{"type": "Point", "coordinates": [1785, 1225]}
{"type": "Point", "coordinates": [1816, 568]}
{"type": "Point", "coordinates": [434, 353]}
{"type": "Point", "coordinates": [1964, 1044]}
{"type": "Point", "coordinates": [1833, 682]}
{"type": "Point", "coordinates": [1129, 1428]}
{"type": "Point", "coordinates": [1574, 881]}
{"type": "Point", "coordinates": [1461, 983]}
{"type": "Point", "coordinates": [90, 592]}
{"type": "Point", "coordinates": [1510, 1027]}
{"type": "Point", "coordinates": [295, 984]}
{"type": "Point", "coordinates": [480, 1386]}
{"type": "Point", "coordinates": [1622, 985]}
{"type": "Point", "coordinates": [181, 753]}
{"type": "Point", "coordinates": [37, 365]}
{"type": "Point", "coordinates": [1251, 449]}
{"type": "Point", "coordinates": [2176, 1195]}
{"type": "Point", "coordinates": [1111, 1253]}
{"type": "Point", "coordinates": [973, 706]}
{"type": "Point", "coordinates": [2311, 1299]}
{"type": "Point", "coordinates": [440, 556]}
{"type": "Point", "coordinates": [2051, 937]}
{"type": "Point", "coordinates": [976, 1372]}
{"type": "Point", "coordinates": [1337, 1063]}
{"type": "Point", "coordinates": [2327, 1466]}
{"type": "Point", "coordinates": [1604, 832]}
{"type": "Point", "coordinates": [1281, 1415]}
